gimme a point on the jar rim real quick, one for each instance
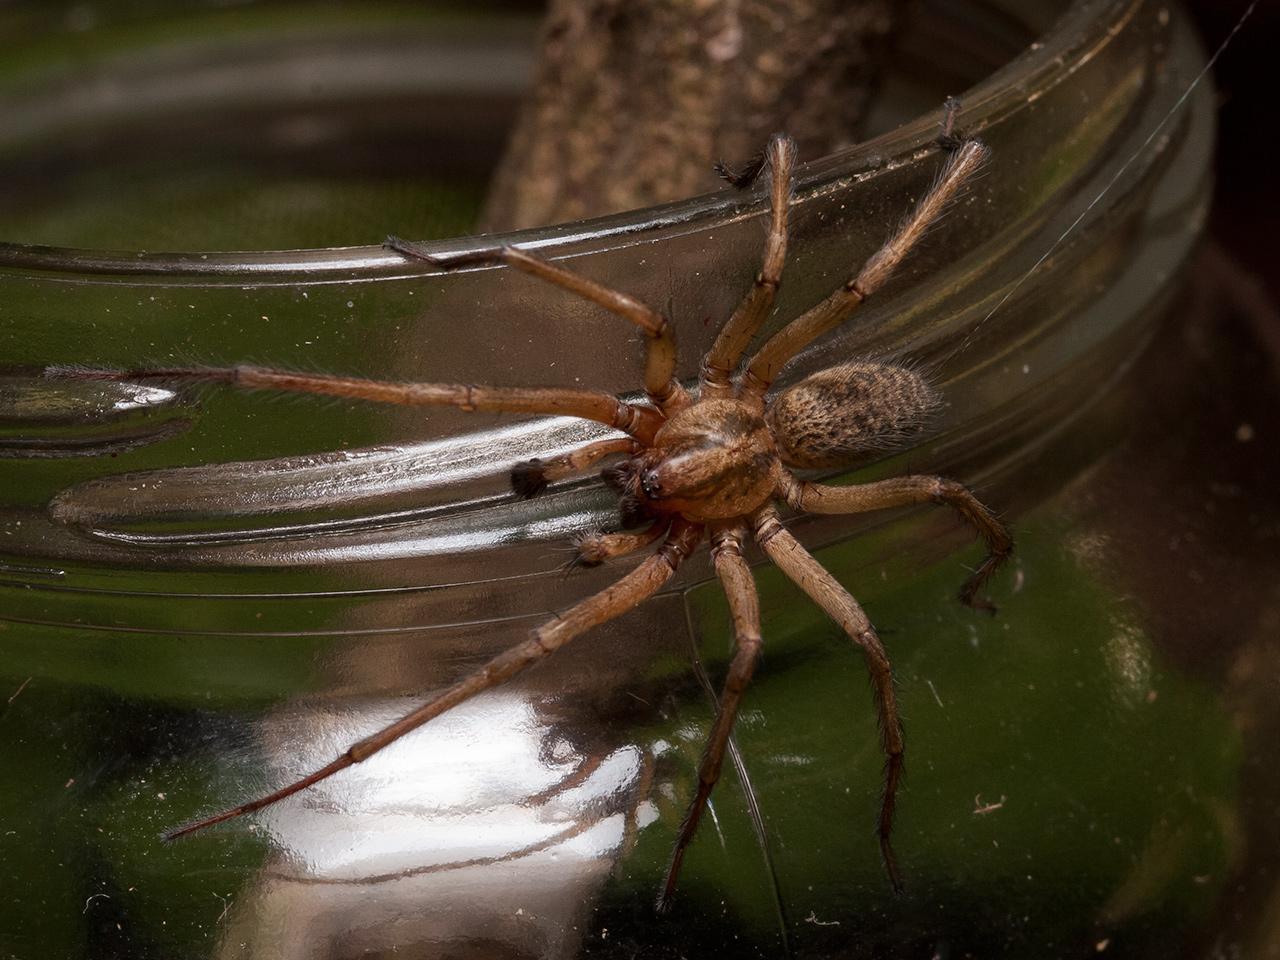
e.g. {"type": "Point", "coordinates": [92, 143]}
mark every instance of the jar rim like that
{"type": "Point", "coordinates": [1074, 39]}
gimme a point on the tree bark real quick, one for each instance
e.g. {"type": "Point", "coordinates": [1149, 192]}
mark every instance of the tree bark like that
{"type": "Point", "coordinates": [632, 101]}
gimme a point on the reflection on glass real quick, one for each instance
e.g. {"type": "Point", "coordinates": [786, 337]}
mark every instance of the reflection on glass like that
{"type": "Point", "coordinates": [486, 827]}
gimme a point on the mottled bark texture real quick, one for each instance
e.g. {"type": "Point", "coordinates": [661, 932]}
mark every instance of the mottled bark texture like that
{"type": "Point", "coordinates": [633, 100]}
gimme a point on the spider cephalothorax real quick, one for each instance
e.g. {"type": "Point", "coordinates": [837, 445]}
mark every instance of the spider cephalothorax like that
{"type": "Point", "coordinates": [705, 463]}
{"type": "Point", "coordinates": [713, 460]}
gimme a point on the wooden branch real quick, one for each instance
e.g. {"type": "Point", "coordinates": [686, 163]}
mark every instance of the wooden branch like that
{"type": "Point", "coordinates": [633, 100]}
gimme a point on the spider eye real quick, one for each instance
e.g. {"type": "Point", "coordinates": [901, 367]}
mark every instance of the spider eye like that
{"type": "Point", "coordinates": [650, 485]}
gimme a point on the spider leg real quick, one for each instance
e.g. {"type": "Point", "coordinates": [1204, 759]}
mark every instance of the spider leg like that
{"type": "Point", "coordinates": [901, 491]}
{"type": "Point", "coordinates": [798, 564]}
{"type": "Point", "coordinates": [636, 586]}
{"type": "Point", "coordinates": [594, 549]}
{"type": "Point", "coordinates": [639, 422]}
{"type": "Point", "coordinates": [720, 361]}
{"type": "Point", "coordinates": [744, 605]}
{"type": "Point", "coordinates": [530, 477]}
{"type": "Point", "coordinates": [660, 359]}
{"type": "Point", "coordinates": [763, 368]}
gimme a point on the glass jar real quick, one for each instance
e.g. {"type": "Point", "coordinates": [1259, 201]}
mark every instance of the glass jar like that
{"type": "Point", "coordinates": [207, 593]}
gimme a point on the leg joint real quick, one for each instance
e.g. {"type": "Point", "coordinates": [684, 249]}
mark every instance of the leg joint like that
{"type": "Point", "coordinates": [673, 552]}
{"type": "Point", "coordinates": [793, 490]}
{"type": "Point", "coordinates": [870, 643]}
{"type": "Point", "coordinates": [725, 547]}
{"type": "Point", "coordinates": [942, 490]}
{"type": "Point", "coordinates": [659, 327]}
{"type": "Point", "coordinates": [663, 396]}
{"type": "Point", "coordinates": [626, 418]}
{"type": "Point", "coordinates": [754, 384]}
{"type": "Point", "coordinates": [767, 528]}
{"type": "Point", "coordinates": [716, 377]}
{"type": "Point", "coordinates": [538, 641]}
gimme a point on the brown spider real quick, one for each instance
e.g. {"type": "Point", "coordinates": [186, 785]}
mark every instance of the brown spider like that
{"type": "Point", "coordinates": [707, 465]}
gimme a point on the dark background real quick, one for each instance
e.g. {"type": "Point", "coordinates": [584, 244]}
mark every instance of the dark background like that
{"type": "Point", "coordinates": [1247, 196]}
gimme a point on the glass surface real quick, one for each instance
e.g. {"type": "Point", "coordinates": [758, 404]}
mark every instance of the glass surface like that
{"type": "Point", "coordinates": [206, 593]}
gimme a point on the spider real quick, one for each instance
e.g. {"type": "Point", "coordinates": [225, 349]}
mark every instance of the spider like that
{"type": "Point", "coordinates": [709, 463]}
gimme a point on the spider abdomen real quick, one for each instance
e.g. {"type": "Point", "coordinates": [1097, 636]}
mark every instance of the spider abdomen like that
{"type": "Point", "coordinates": [836, 416]}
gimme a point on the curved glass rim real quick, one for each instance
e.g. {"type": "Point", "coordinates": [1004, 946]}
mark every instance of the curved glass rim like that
{"type": "Point", "coordinates": [1070, 43]}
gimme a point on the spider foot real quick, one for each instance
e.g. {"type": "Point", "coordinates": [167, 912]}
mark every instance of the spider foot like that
{"type": "Point", "coordinates": [891, 866]}
{"type": "Point", "coordinates": [779, 150]}
{"type": "Point", "coordinates": [418, 251]}
{"type": "Point", "coordinates": [663, 904]}
{"type": "Point", "coordinates": [590, 550]}
{"type": "Point", "coordinates": [529, 478]}
{"type": "Point", "coordinates": [950, 138]}
{"type": "Point", "coordinates": [409, 248]}
{"type": "Point", "coordinates": [744, 176]}
{"type": "Point", "coordinates": [970, 594]}
{"type": "Point", "coordinates": [667, 895]}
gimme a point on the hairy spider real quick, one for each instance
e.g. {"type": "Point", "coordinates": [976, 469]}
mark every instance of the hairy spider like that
{"type": "Point", "coordinates": [706, 464]}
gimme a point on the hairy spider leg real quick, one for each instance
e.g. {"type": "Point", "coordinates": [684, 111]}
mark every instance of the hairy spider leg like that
{"type": "Point", "coordinates": [825, 590]}
{"type": "Point", "coordinates": [763, 368]}
{"type": "Point", "coordinates": [744, 606]}
{"type": "Point", "coordinates": [660, 357]}
{"type": "Point", "coordinates": [719, 363]}
{"type": "Point", "coordinates": [638, 422]}
{"type": "Point", "coordinates": [633, 588]}
{"type": "Point", "coordinates": [594, 549]}
{"type": "Point", "coordinates": [902, 491]}
{"type": "Point", "coordinates": [530, 477]}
